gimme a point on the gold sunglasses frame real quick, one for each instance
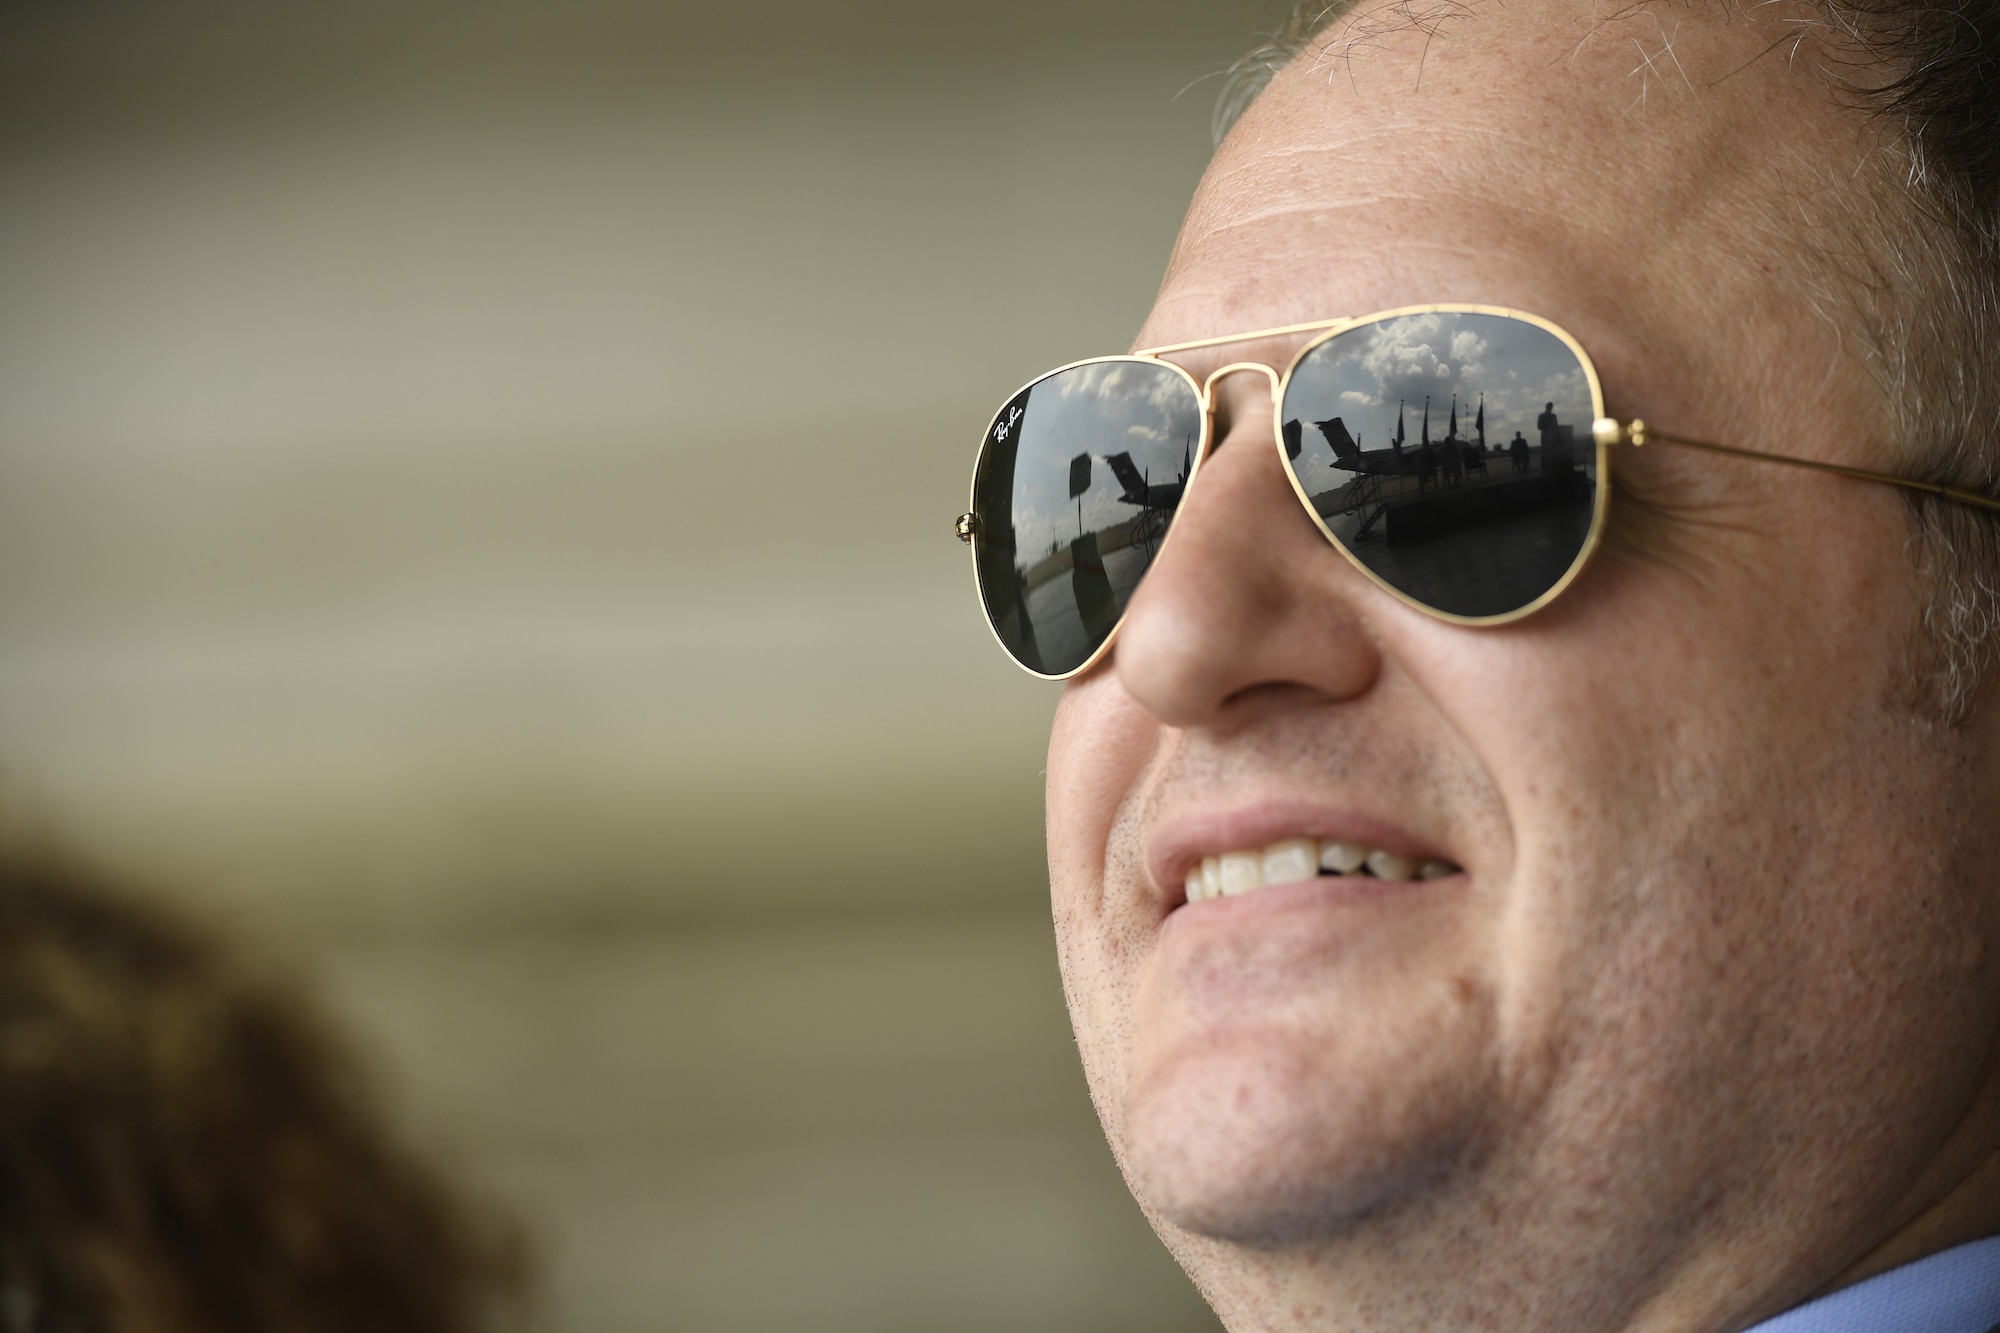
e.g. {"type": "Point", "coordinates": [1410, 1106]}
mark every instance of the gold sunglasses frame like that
{"type": "Point", "coordinates": [1606, 433]}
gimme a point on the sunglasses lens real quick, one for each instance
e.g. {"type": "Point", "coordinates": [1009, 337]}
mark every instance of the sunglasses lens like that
{"type": "Point", "coordinates": [1451, 454]}
{"type": "Point", "coordinates": [1079, 477]}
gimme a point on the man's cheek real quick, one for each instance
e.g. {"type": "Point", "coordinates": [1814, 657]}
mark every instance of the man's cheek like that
{"type": "Point", "coordinates": [1099, 749]}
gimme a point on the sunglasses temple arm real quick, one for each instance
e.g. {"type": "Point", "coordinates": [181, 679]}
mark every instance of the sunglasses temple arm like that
{"type": "Point", "coordinates": [1638, 434]}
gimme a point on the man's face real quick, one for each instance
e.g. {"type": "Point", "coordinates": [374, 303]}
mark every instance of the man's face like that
{"type": "Point", "coordinates": [1705, 1006]}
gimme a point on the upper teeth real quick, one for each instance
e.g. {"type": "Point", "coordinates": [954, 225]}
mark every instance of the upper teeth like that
{"type": "Point", "coordinates": [1297, 859]}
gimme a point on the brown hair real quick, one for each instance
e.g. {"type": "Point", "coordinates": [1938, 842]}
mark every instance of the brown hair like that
{"type": "Point", "coordinates": [185, 1145]}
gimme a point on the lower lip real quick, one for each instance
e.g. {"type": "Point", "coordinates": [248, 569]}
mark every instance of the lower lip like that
{"type": "Point", "coordinates": [1320, 894]}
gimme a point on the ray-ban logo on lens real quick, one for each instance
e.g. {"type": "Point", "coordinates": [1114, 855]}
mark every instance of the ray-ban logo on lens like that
{"type": "Point", "coordinates": [1006, 422]}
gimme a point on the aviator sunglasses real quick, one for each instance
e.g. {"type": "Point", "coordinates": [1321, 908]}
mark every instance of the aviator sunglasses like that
{"type": "Point", "coordinates": [1455, 454]}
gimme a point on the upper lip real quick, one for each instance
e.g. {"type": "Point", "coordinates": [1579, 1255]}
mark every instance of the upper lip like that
{"type": "Point", "coordinates": [1180, 841]}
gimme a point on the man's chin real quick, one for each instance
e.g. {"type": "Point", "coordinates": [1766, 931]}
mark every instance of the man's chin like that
{"type": "Point", "coordinates": [1243, 1144]}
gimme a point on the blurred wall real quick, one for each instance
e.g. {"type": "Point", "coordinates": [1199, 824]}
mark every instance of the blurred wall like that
{"type": "Point", "coordinates": [475, 498]}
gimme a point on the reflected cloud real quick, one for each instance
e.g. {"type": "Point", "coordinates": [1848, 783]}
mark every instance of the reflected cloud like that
{"type": "Point", "coordinates": [1371, 374]}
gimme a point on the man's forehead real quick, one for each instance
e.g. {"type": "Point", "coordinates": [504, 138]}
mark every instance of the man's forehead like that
{"type": "Point", "coordinates": [1517, 155]}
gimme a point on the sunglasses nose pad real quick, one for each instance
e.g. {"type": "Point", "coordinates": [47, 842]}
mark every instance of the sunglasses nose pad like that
{"type": "Point", "coordinates": [1449, 455]}
{"type": "Point", "coordinates": [1077, 484]}
{"type": "Point", "coordinates": [1227, 408]}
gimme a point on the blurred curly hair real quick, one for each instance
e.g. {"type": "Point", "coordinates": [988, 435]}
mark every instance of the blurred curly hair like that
{"type": "Point", "coordinates": [186, 1147]}
{"type": "Point", "coordinates": [1912, 267]}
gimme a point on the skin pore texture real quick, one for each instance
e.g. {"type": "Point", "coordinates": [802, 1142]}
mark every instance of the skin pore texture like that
{"type": "Point", "coordinates": [1707, 1024]}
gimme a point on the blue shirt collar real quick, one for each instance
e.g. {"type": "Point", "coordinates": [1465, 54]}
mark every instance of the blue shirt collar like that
{"type": "Point", "coordinates": [1955, 1291]}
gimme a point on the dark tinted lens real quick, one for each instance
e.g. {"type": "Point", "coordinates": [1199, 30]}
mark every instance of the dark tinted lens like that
{"type": "Point", "coordinates": [1078, 480]}
{"type": "Point", "coordinates": [1451, 453]}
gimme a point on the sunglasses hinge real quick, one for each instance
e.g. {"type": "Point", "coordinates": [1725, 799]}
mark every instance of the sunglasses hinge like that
{"type": "Point", "coordinates": [1609, 431]}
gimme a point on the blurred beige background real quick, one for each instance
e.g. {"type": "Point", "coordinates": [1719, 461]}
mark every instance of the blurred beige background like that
{"type": "Point", "coordinates": [475, 500]}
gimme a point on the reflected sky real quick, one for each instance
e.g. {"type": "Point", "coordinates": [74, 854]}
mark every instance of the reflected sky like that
{"type": "Point", "coordinates": [1103, 409]}
{"type": "Point", "coordinates": [1402, 373]}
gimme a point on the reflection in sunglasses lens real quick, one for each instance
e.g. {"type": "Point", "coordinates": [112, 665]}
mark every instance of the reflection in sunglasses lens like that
{"type": "Point", "coordinates": [1077, 483]}
{"type": "Point", "coordinates": [1450, 453]}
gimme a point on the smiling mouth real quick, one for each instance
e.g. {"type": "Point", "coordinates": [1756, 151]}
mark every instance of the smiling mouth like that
{"type": "Point", "coordinates": [1297, 859]}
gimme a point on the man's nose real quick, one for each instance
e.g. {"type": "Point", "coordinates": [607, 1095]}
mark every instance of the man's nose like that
{"type": "Point", "coordinates": [1246, 595]}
